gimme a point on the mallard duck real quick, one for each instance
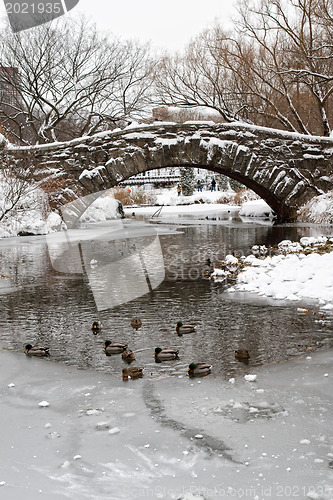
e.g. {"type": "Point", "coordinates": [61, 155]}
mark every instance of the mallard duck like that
{"type": "Point", "coordinates": [36, 350]}
{"type": "Point", "coordinates": [128, 356]}
{"type": "Point", "coordinates": [114, 347]}
{"type": "Point", "coordinates": [180, 328]}
{"type": "Point", "coordinates": [242, 354]}
{"type": "Point", "coordinates": [136, 323]}
{"type": "Point", "coordinates": [165, 354]}
{"type": "Point", "coordinates": [96, 327]}
{"type": "Point", "coordinates": [199, 369]}
{"type": "Point", "coordinates": [133, 372]}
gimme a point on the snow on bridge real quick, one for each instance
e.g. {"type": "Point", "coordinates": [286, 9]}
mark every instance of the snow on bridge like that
{"type": "Point", "coordinates": [285, 169]}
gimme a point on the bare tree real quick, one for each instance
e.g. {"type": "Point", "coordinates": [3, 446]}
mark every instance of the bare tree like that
{"type": "Point", "coordinates": [17, 185]}
{"type": "Point", "coordinates": [294, 37]}
{"type": "Point", "coordinates": [275, 68]}
{"type": "Point", "coordinates": [70, 80]}
{"type": "Point", "coordinates": [200, 78]}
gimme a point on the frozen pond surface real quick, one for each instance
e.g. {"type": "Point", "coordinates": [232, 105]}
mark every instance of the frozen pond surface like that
{"type": "Point", "coordinates": [156, 438]}
{"type": "Point", "coordinates": [163, 436]}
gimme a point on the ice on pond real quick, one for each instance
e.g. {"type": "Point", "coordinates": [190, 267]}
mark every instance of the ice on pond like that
{"type": "Point", "coordinates": [44, 404]}
{"type": "Point", "coordinates": [102, 426]}
{"type": "Point", "coordinates": [93, 412]}
{"type": "Point", "coordinates": [114, 430]}
{"type": "Point", "coordinates": [238, 430]}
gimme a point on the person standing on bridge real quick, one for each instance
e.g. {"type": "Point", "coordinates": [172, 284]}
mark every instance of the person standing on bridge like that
{"type": "Point", "coordinates": [213, 185]}
{"type": "Point", "coordinates": [179, 189]}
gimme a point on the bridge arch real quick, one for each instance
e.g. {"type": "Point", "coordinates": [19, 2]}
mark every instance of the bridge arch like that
{"type": "Point", "coordinates": [259, 189]}
{"type": "Point", "coordinates": [285, 169]}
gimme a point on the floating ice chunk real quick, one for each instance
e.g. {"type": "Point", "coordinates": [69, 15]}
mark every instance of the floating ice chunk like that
{"type": "Point", "coordinates": [53, 435]}
{"type": "Point", "coordinates": [237, 405]}
{"type": "Point", "coordinates": [93, 412]}
{"type": "Point", "coordinates": [114, 430]}
{"type": "Point", "coordinates": [102, 426]}
{"type": "Point", "coordinates": [313, 495]}
{"type": "Point", "coordinates": [250, 378]}
{"type": "Point", "coordinates": [77, 457]}
{"type": "Point", "coordinates": [305, 441]}
{"type": "Point", "coordinates": [232, 380]}
{"type": "Point", "coordinates": [191, 496]}
{"type": "Point", "coordinates": [198, 436]}
{"type": "Point", "coordinates": [44, 404]}
{"type": "Point", "coordinates": [11, 385]}
{"type": "Point", "coordinates": [48, 425]}
{"type": "Point", "coordinates": [2, 483]}
{"type": "Point", "coordinates": [264, 405]}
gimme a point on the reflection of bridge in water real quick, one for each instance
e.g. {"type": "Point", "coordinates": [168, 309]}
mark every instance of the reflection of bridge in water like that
{"type": "Point", "coordinates": [285, 169]}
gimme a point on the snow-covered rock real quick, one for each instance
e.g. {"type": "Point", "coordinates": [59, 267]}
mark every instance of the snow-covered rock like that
{"type": "Point", "coordinates": [291, 275]}
{"type": "Point", "coordinates": [318, 210]}
{"type": "Point", "coordinates": [104, 208]}
{"type": "Point", "coordinates": [256, 208]}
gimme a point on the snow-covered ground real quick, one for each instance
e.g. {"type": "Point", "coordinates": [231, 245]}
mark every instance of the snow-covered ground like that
{"type": "Point", "coordinates": [68, 433]}
{"type": "Point", "coordinates": [319, 210]}
{"type": "Point", "coordinates": [194, 209]}
{"type": "Point", "coordinates": [170, 197]}
{"type": "Point", "coordinates": [256, 208]}
{"type": "Point", "coordinates": [298, 273]}
{"type": "Point", "coordinates": [32, 215]}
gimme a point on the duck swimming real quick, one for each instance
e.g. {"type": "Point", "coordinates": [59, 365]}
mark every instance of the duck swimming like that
{"type": "Point", "coordinates": [199, 369]}
{"type": "Point", "coordinates": [114, 347]}
{"type": "Point", "coordinates": [96, 327]}
{"type": "Point", "coordinates": [242, 354]}
{"type": "Point", "coordinates": [36, 350]}
{"type": "Point", "coordinates": [136, 323]}
{"type": "Point", "coordinates": [165, 354]}
{"type": "Point", "coordinates": [180, 328]}
{"type": "Point", "coordinates": [128, 356]}
{"type": "Point", "coordinates": [133, 372]}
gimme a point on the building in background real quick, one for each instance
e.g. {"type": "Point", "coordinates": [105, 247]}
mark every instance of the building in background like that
{"type": "Point", "coordinates": [9, 100]}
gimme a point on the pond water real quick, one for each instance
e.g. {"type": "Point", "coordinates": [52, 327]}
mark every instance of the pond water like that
{"type": "Point", "coordinates": [49, 301]}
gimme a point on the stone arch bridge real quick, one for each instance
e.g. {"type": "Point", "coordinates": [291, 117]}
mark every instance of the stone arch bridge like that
{"type": "Point", "coordinates": [285, 169]}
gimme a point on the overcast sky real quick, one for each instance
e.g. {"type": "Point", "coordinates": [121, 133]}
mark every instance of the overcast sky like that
{"type": "Point", "coordinates": [167, 24]}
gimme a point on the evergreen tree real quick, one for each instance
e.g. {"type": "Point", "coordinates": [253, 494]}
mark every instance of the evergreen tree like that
{"type": "Point", "coordinates": [224, 183]}
{"type": "Point", "coordinates": [187, 181]}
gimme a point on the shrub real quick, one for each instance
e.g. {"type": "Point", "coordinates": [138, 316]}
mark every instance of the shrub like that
{"type": "Point", "coordinates": [244, 195]}
{"type": "Point", "coordinates": [133, 196]}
